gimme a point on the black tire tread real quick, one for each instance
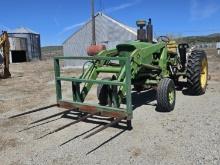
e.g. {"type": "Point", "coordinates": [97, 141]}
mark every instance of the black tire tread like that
{"type": "Point", "coordinates": [193, 72]}
{"type": "Point", "coordinates": [102, 93]}
{"type": "Point", "coordinates": [162, 92]}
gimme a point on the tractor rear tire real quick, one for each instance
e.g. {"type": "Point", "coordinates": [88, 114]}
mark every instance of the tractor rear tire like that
{"type": "Point", "coordinates": [103, 92]}
{"type": "Point", "coordinates": [166, 95]}
{"type": "Point", "coordinates": [197, 72]}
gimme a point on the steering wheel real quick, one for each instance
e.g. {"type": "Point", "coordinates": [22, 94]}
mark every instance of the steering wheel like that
{"type": "Point", "coordinates": [163, 39]}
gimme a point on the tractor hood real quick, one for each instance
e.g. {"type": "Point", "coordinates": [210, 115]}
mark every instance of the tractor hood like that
{"type": "Point", "coordinates": [131, 46]}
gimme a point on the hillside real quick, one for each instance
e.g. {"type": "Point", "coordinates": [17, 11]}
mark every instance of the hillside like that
{"type": "Point", "coordinates": [51, 51]}
{"type": "Point", "coordinates": [201, 39]}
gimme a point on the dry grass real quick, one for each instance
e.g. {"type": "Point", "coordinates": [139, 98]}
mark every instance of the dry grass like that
{"type": "Point", "coordinates": [28, 87]}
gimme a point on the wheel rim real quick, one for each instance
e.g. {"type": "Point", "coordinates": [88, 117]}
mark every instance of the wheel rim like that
{"type": "Point", "coordinates": [204, 73]}
{"type": "Point", "coordinates": [171, 96]}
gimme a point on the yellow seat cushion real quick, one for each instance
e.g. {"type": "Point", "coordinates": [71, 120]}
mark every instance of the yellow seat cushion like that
{"type": "Point", "coordinates": [172, 47]}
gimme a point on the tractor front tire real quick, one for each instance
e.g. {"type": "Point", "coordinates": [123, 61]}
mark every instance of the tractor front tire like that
{"type": "Point", "coordinates": [197, 72]}
{"type": "Point", "coordinates": [166, 95]}
{"type": "Point", "coordinates": [103, 92]}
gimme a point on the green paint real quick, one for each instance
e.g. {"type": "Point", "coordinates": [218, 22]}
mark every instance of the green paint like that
{"type": "Point", "coordinates": [109, 69]}
{"type": "Point", "coordinates": [57, 82]}
{"type": "Point", "coordinates": [135, 61]}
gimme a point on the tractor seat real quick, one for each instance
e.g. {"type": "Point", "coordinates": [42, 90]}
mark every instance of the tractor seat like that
{"type": "Point", "coordinates": [172, 47]}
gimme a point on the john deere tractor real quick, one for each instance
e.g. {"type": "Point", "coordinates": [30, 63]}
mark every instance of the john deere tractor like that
{"type": "Point", "coordinates": [134, 66]}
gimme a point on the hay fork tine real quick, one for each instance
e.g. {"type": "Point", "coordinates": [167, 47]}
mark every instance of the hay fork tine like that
{"type": "Point", "coordinates": [57, 114]}
{"type": "Point", "coordinates": [67, 125]}
{"type": "Point", "coordinates": [104, 127]}
{"type": "Point", "coordinates": [32, 111]}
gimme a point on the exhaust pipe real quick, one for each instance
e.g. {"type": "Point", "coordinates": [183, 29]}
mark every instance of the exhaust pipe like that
{"type": "Point", "coordinates": [149, 31]}
{"type": "Point", "coordinates": [145, 35]}
{"type": "Point", "coordinates": [141, 33]}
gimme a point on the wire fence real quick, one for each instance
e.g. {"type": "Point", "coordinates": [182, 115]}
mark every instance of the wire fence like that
{"type": "Point", "coordinates": [215, 45]}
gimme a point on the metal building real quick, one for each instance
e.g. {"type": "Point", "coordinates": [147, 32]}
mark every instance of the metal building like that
{"type": "Point", "coordinates": [218, 47]}
{"type": "Point", "coordinates": [25, 45]}
{"type": "Point", "coordinates": [108, 32]}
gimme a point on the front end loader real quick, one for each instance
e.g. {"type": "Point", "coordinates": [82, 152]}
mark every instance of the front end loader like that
{"type": "Point", "coordinates": [141, 64]}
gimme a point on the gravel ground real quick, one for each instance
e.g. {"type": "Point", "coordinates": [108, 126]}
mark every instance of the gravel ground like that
{"type": "Point", "coordinates": [188, 135]}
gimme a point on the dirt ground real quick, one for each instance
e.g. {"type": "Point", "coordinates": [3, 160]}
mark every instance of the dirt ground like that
{"type": "Point", "coordinates": [188, 135]}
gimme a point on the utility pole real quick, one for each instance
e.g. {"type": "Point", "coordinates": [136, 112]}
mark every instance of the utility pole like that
{"type": "Point", "coordinates": [93, 22]}
{"type": "Point", "coordinates": [94, 48]}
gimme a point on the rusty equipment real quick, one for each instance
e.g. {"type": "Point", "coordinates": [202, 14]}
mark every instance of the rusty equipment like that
{"type": "Point", "coordinates": [5, 48]}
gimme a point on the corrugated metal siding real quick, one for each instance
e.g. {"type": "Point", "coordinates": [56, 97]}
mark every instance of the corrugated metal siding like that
{"type": "Point", "coordinates": [32, 44]}
{"type": "Point", "coordinates": [18, 43]}
{"type": "Point", "coordinates": [107, 32]}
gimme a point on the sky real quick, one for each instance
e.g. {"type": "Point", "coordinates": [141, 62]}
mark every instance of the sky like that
{"type": "Point", "coordinates": [56, 20]}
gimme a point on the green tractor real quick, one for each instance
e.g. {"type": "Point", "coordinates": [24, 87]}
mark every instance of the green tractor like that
{"type": "Point", "coordinates": [134, 66]}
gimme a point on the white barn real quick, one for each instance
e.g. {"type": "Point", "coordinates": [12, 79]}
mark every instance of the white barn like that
{"type": "Point", "coordinates": [108, 32]}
